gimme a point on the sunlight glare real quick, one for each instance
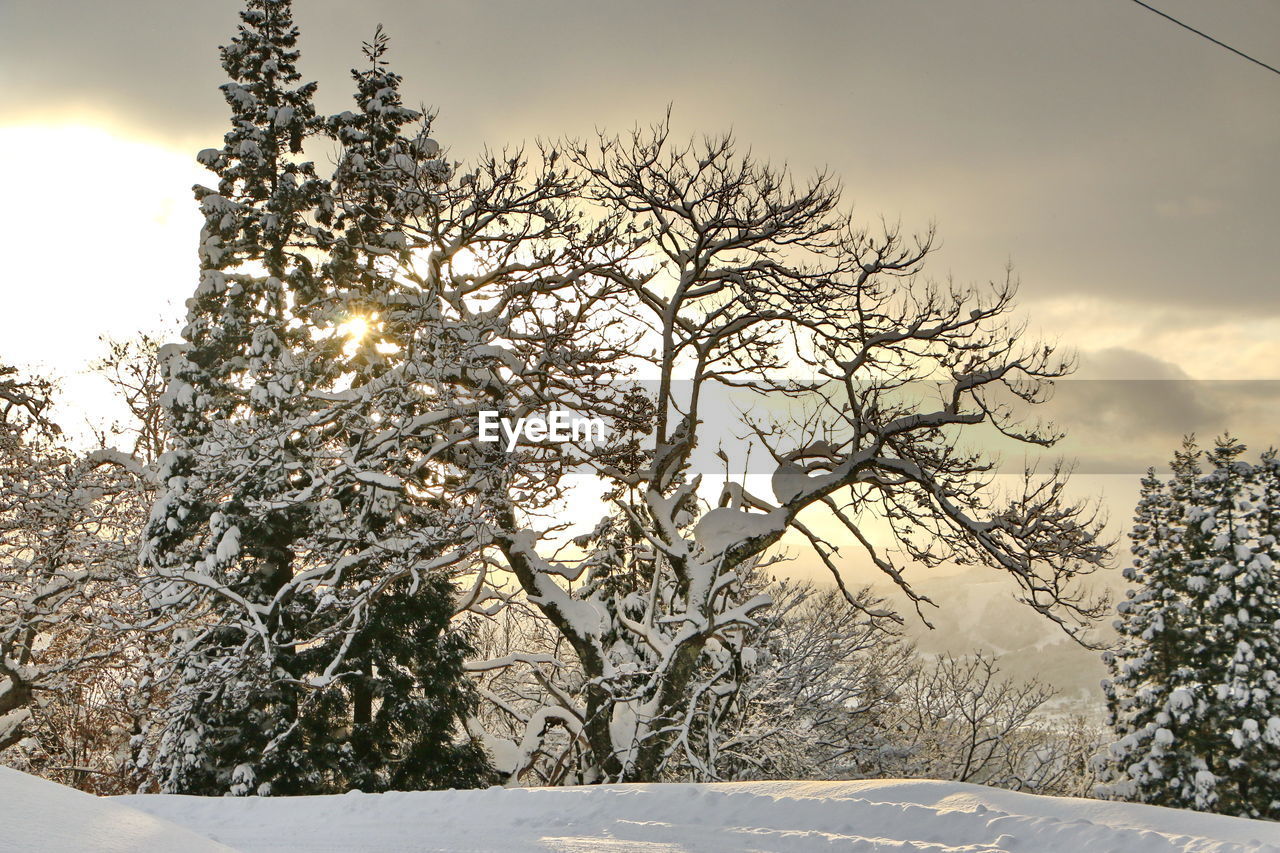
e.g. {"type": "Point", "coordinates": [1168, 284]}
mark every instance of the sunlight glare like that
{"type": "Point", "coordinates": [354, 329]}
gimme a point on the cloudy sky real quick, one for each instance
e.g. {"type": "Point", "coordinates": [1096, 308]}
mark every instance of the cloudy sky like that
{"type": "Point", "coordinates": [1125, 167]}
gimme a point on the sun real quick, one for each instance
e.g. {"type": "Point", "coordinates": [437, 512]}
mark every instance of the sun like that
{"type": "Point", "coordinates": [355, 328]}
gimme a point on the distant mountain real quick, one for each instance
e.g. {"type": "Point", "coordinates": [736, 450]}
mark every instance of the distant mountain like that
{"type": "Point", "coordinates": [977, 611]}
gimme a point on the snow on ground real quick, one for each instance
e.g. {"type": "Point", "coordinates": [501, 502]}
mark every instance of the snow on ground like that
{"type": "Point", "coordinates": [762, 816]}
{"type": "Point", "coordinates": [43, 817]}
{"type": "Point", "coordinates": [865, 816]}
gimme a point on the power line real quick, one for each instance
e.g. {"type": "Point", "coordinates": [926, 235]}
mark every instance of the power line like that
{"type": "Point", "coordinates": [1209, 37]}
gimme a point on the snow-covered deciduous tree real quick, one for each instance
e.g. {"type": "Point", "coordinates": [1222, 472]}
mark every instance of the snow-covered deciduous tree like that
{"type": "Point", "coordinates": [1192, 696]}
{"type": "Point", "coordinates": [818, 692]}
{"type": "Point", "coordinates": [957, 718]}
{"type": "Point", "coordinates": [833, 694]}
{"type": "Point", "coordinates": [132, 368]}
{"type": "Point", "coordinates": [68, 543]}
{"type": "Point", "coordinates": [23, 423]}
{"type": "Point", "coordinates": [747, 277]}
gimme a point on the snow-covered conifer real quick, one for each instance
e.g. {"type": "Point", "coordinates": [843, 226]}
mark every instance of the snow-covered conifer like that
{"type": "Point", "coordinates": [1193, 686]}
{"type": "Point", "coordinates": [1155, 702]}
{"type": "Point", "coordinates": [391, 684]}
{"type": "Point", "coordinates": [1241, 612]}
{"type": "Point", "coordinates": [224, 531]}
{"type": "Point", "coordinates": [303, 541]}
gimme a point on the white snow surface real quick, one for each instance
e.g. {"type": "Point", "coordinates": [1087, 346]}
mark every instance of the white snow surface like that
{"type": "Point", "coordinates": [864, 816]}
{"type": "Point", "coordinates": [722, 528]}
{"type": "Point", "coordinates": [36, 815]}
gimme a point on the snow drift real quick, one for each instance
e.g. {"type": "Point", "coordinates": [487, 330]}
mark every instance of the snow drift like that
{"type": "Point", "coordinates": [864, 816]}
{"type": "Point", "coordinates": [36, 815]}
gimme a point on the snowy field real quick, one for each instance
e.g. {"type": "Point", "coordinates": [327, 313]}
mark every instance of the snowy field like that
{"type": "Point", "coordinates": [941, 817]}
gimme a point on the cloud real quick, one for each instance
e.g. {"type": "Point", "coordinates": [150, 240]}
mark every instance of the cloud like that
{"type": "Point", "coordinates": [1125, 410]}
{"type": "Point", "coordinates": [928, 111]}
{"type": "Point", "coordinates": [1191, 207]}
{"type": "Point", "coordinates": [1113, 363]}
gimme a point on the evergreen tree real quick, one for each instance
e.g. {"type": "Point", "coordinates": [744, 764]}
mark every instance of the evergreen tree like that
{"type": "Point", "coordinates": [391, 723]}
{"type": "Point", "coordinates": [1242, 654]}
{"type": "Point", "coordinates": [1264, 626]}
{"type": "Point", "coordinates": [1152, 694]}
{"type": "Point", "coordinates": [1191, 697]}
{"type": "Point", "coordinates": [318, 656]}
{"type": "Point", "coordinates": [387, 717]}
{"type": "Point", "coordinates": [226, 519]}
